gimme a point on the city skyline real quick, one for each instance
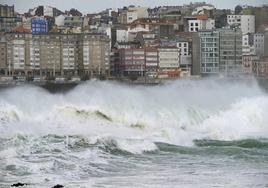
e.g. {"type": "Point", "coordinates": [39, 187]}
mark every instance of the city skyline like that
{"type": "Point", "coordinates": [86, 7]}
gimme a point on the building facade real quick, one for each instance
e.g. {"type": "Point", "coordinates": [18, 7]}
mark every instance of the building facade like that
{"type": "Point", "coordinates": [96, 55]}
{"type": "Point", "coordinates": [39, 25]}
{"type": "Point", "coordinates": [52, 55]}
{"type": "Point", "coordinates": [221, 52]}
{"type": "Point", "coordinates": [7, 11]}
{"type": "Point", "coordinates": [209, 52]}
{"type": "Point", "coordinates": [245, 22]}
{"type": "Point", "coordinates": [230, 52]}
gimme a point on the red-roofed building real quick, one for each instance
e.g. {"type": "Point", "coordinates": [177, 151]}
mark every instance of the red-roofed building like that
{"type": "Point", "coordinates": [21, 29]}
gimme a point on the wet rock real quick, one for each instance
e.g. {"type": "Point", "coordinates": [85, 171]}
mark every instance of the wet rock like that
{"type": "Point", "coordinates": [19, 184]}
{"type": "Point", "coordinates": [58, 186]}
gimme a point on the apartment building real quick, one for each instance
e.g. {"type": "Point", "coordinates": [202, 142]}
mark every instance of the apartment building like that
{"type": "Point", "coordinates": [168, 61]}
{"type": "Point", "coordinates": [209, 52]}
{"type": "Point", "coordinates": [230, 49]}
{"type": "Point", "coordinates": [73, 21]}
{"type": "Point", "coordinates": [96, 55]}
{"type": "Point", "coordinates": [47, 55]}
{"type": "Point", "coordinates": [221, 52]}
{"type": "Point", "coordinates": [260, 67]}
{"type": "Point", "coordinates": [18, 53]}
{"type": "Point", "coordinates": [247, 63]}
{"type": "Point", "coordinates": [185, 55]}
{"type": "Point", "coordinates": [39, 25]}
{"type": "Point", "coordinates": [258, 43]}
{"type": "Point", "coordinates": [151, 61]}
{"type": "Point", "coordinates": [8, 20]}
{"type": "Point", "coordinates": [200, 22]}
{"type": "Point", "coordinates": [7, 11]}
{"type": "Point", "coordinates": [3, 55]}
{"type": "Point", "coordinates": [245, 22]}
{"type": "Point", "coordinates": [132, 61]}
{"type": "Point", "coordinates": [53, 55]}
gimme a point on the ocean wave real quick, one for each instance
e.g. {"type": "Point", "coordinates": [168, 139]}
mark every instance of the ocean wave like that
{"type": "Point", "coordinates": [137, 117]}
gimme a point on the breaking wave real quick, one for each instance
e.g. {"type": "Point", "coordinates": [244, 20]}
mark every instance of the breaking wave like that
{"type": "Point", "coordinates": [119, 118]}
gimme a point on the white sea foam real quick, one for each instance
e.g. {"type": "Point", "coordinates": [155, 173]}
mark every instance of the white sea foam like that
{"type": "Point", "coordinates": [137, 117]}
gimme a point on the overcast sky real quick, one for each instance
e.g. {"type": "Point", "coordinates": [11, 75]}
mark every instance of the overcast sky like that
{"type": "Point", "coordinates": [90, 6]}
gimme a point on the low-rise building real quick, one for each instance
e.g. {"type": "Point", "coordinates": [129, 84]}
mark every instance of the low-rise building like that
{"type": "Point", "coordinates": [247, 62]}
{"type": "Point", "coordinates": [260, 67]}
{"type": "Point", "coordinates": [200, 22]}
{"type": "Point", "coordinates": [73, 22]}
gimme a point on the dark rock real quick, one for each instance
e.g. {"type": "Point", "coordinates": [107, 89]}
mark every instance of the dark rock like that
{"type": "Point", "coordinates": [18, 184]}
{"type": "Point", "coordinates": [58, 186]}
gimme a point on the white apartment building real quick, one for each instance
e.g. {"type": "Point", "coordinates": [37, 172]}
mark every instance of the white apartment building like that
{"type": "Point", "coordinates": [245, 22]}
{"type": "Point", "coordinates": [131, 16]}
{"type": "Point", "coordinates": [121, 35]}
{"type": "Point", "coordinates": [258, 43]}
{"type": "Point", "coordinates": [168, 58]}
{"type": "Point", "coordinates": [253, 44]}
{"type": "Point", "coordinates": [247, 48]}
{"type": "Point", "coordinates": [34, 55]}
{"type": "Point", "coordinates": [248, 24]}
{"type": "Point", "coordinates": [134, 13]}
{"type": "Point", "coordinates": [195, 25]}
{"type": "Point", "coordinates": [184, 55]}
{"type": "Point", "coordinates": [19, 54]}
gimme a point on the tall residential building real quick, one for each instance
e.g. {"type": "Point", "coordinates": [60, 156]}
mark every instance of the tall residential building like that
{"type": "Point", "coordinates": [185, 54]}
{"type": "Point", "coordinates": [45, 55]}
{"type": "Point", "coordinates": [230, 52]}
{"type": "Point", "coordinates": [8, 20]}
{"type": "Point", "coordinates": [3, 54]}
{"type": "Point", "coordinates": [168, 58]}
{"type": "Point", "coordinates": [96, 55]}
{"type": "Point", "coordinates": [71, 53]}
{"type": "Point", "coordinates": [258, 43]}
{"type": "Point", "coordinates": [53, 55]}
{"type": "Point", "coordinates": [151, 61]}
{"type": "Point", "coordinates": [209, 52]}
{"type": "Point", "coordinates": [7, 11]}
{"type": "Point", "coordinates": [196, 52]}
{"type": "Point", "coordinates": [245, 22]}
{"type": "Point", "coordinates": [18, 53]}
{"type": "Point", "coordinates": [132, 61]}
{"type": "Point", "coordinates": [266, 43]}
{"type": "Point", "coordinates": [221, 52]}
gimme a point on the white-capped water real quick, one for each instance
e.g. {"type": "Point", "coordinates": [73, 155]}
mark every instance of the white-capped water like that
{"type": "Point", "coordinates": [176, 113]}
{"type": "Point", "coordinates": [55, 132]}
